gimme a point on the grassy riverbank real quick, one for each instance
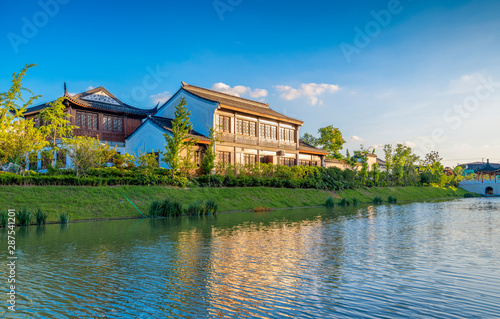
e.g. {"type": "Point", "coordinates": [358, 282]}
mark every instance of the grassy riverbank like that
{"type": "Point", "coordinates": [84, 203]}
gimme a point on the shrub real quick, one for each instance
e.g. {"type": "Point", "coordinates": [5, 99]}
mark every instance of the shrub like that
{"type": "Point", "coordinates": [155, 209]}
{"type": "Point", "coordinates": [392, 200]}
{"type": "Point", "coordinates": [64, 218]}
{"type": "Point", "coordinates": [171, 208]}
{"type": "Point", "coordinates": [211, 206]}
{"type": "Point", "coordinates": [377, 200]}
{"type": "Point", "coordinates": [40, 217]}
{"type": "Point", "coordinates": [330, 202]}
{"type": "Point", "coordinates": [345, 202]}
{"type": "Point", "coordinates": [24, 217]}
{"type": "Point", "coordinates": [4, 217]}
{"type": "Point", "coordinates": [196, 209]}
{"type": "Point", "coordinates": [354, 201]}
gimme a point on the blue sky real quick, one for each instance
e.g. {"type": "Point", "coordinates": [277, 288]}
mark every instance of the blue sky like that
{"type": "Point", "coordinates": [424, 73]}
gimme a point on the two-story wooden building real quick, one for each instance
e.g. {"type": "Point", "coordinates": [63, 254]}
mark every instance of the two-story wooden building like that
{"type": "Point", "coordinates": [248, 131]}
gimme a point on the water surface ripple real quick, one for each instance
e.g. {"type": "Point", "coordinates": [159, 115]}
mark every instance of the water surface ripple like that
{"type": "Point", "coordinates": [418, 260]}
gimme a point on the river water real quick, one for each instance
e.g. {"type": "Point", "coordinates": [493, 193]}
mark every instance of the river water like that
{"type": "Point", "coordinates": [416, 260]}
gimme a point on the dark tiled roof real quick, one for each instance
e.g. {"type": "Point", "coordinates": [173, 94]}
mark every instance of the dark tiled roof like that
{"type": "Point", "coordinates": [488, 168]}
{"type": "Point", "coordinates": [237, 102]}
{"type": "Point", "coordinates": [303, 146]}
{"type": "Point", "coordinates": [380, 162]}
{"type": "Point", "coordinates": [120, 107]}
{"type": "Point", "coordinates": [478, 165]}
{"type": "Point", "coordinates": [166, 124]}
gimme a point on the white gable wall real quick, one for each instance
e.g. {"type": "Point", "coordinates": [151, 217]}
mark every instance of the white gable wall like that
{"type": "Point", "coordinates": [147, 138]}
{"type": "Point", "coordinates": [202, 111]}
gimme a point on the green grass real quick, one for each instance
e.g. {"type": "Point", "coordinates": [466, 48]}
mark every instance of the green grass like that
{"type": "Point", "coordinates": [84, 203]}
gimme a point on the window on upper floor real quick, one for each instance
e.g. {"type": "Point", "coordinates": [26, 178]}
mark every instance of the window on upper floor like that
{"type": "Point", "coordinates": [268, 131]}
{"type": "Point", "coordinates": [112, 123]}
{"type": "Point", "coordinates": [244, 127]}
{"type": "Point", "coordinates": [86, 120]}
{"type": "Point", "coordinates": [223, 123]}
{"type": "Point", "coordinates": [287, 134]}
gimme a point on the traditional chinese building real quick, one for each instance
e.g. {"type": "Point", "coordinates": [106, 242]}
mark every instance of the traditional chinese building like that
{"type": "Point", "coordinates": [248, 131]}
{"type": "Point", "coordinates": [97, 113]}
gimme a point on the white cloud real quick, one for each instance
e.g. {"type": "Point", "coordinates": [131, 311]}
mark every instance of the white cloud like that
{"type": "Point", "coordinates": [161, 97]}
{"type": "Point", "coordinates": [465, 84]}
{"type": "Point", "coordinates": [90, 88]}
{"type": "Point", "coordinates": [356, 138]}
{"type": "Point", "coordinates": [239, 90]}
{"type": "Point", "coordinates": [311, 90]}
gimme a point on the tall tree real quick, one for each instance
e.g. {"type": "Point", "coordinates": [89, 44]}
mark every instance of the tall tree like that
{"type": "Point", "coordinates": [331, 140]}
{"type": "Point", "coordinates": [56, 125]}
{"type": "Point", "coordinates": [18, 137]}
{"type": "Point", "coordinates": [208, 161]}
{"type": "Point", "coordinates": [180, 139]}
{"type": "Point", "coordinates": [388, 160]}
{"type": "Point", "coordinates": [87, 152]}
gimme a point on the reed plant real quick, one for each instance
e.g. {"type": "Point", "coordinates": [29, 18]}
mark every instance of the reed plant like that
{"type": "Point", "coordinates": [155, 209]}
{"type": "Point", "coordinates": [345, 202]}
{"type": "Point", "coordinates": [171, 208]}
{"type": "Point", "coordinates": [330, 202]}
{"type": "Point", "coordinates": [4, 217]}
{"type": "Point", "coordinates": [24, 217]}
{"type": "Point", "coordinates": [211, 206]}
{"type": "Point", "coordinates": [40, 217]}
{"type": "Point", "coordinates": [64, 218]}
{"type": "Point", "coordinates": [392, 200]}
{"type": "Point", "coordinates": [196, 209]}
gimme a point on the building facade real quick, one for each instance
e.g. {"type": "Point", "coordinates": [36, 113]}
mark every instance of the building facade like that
{"type": "Point", "coordinates": [248, 132]}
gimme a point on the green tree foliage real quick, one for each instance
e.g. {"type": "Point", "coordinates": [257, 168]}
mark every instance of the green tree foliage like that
{"type": "Point", "coordinates": [147, 162]}
{"type": "Point", "coordinates": [180, 139]}
{"type": "Point", "coordinates": [330, 139]}
{"type": "Point", "coordinates": [56, 126]}
{"type": "Point", "coordinates": [309, 139]}
{"type": "Point", "coordinates": [87, 152]}
{"type": "Point", "coordinates": [18, 137]}
{"type": "Point", "coordinates": [123, 162]}
{"type": "Point", "coordinates": [375, 173]}
{"type": "Point", "coordinates": [56, 122]}
{"type": "Point", "coordinates": [388, 160]}
{"type": "Point", "coordinates": [208, 162]}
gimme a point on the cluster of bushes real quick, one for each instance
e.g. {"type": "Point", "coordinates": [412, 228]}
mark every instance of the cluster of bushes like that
{"type": "Point", "coordinates": [173, 208]}
{"type": "Point", "coordinates": [108, 177]}
{"type": "Point", "coordinates": [267, 175]}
